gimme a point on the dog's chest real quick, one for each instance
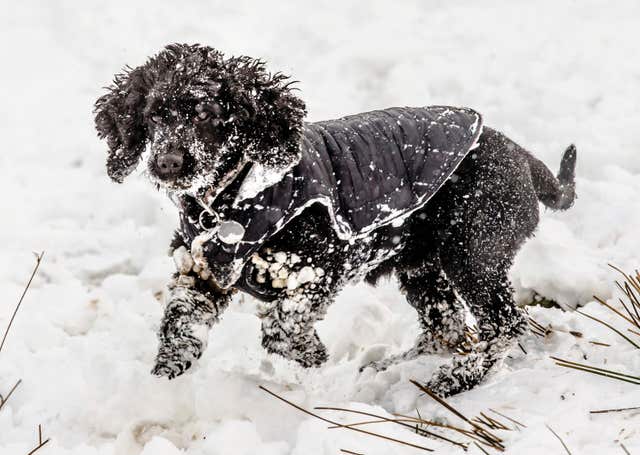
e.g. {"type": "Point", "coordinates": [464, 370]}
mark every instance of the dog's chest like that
{"type": "Point", "coordinates": [300, 260]}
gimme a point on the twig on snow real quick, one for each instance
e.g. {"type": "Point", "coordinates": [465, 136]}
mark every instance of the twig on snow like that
{"type": "Point", "coordinates": [24, 292]}
{"type": "Point", "coordinates": [606, 411]}
{"type": "Point", "coordinates": [41, 443]}
{"type": "Point", "coordinates": [559, 439]}
{"type": "Point", "coordinates": [3, 400]}
{"type": "Point", "coordinates": [598, 371]}
{"type": "Point", "coordinates": [299, 408]}
{"type": "Point", "coordinates": [609, 326]}
{"type": "Point", "coordinates": [508, 418]}
{"type": "Point", "coordinates": [382, 419]}
{"type": "Point", "coordinates": [485, 435]}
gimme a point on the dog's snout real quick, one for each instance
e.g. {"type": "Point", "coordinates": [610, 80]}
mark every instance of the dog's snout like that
{"type": "Point", "coordinates": [169, 164]}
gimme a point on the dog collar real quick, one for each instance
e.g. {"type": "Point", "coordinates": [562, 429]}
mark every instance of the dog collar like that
{"type": "Point", "coordinates": [228, 231]}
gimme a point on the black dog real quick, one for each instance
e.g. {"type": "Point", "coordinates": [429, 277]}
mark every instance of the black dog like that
{"type": "Point", "coordinates": [291, 211]}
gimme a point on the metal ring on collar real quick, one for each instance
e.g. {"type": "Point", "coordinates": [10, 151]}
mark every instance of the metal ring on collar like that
{"type": "Point", "coordinates": [212, 213]}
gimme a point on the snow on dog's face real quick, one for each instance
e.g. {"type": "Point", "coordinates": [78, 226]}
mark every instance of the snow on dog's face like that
{"type": "Point", "coordinates": [201, 117]}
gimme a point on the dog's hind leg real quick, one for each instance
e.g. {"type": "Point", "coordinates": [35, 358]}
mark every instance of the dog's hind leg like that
{"type": "Point", "coordinates": [441, 316]}
{"type": "Point", "coordinates": [477, 256]}
{"type": "Point", "coordinates": [500, 322]}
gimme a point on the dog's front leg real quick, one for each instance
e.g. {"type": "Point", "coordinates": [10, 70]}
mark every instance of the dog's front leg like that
{"type": "Point", "coordinates": [287, 325]}
{"type": "Point", "coordinates": [193, 307]}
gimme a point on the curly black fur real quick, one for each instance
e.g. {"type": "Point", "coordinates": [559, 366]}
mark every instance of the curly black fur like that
{"type": "Point", "coordinates": [232, 102]}
{"type": "Point", "coordinates": [461, 243]}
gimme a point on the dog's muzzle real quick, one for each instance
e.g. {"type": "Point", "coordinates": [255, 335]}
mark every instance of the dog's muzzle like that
{"type": "Point", "coordinates": [169, 165]}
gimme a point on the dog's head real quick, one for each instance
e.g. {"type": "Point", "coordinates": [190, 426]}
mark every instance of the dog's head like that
{"type": "Point", "coordinates": [202, 115]}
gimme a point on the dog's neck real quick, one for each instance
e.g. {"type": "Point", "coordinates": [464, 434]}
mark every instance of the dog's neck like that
{"type": "Point", "coordinates": [221, 196]}
{"type": "Point", "coordinates": [209, 207]}
{"type": "Point", "coordinates": [259, 178]}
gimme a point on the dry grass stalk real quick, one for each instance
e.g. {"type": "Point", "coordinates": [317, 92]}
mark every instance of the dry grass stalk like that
{"type": "Point", "coordinates": [481, 425]}
{"type": "Point", "coordinates": [421, 423]}
{"type": "Point", "coordinates": [388, 438]}
{"type": "Point", "coordinates": [489, 422]}
{"type": "Point", "coordinates": [606, 411]}
{"type": "Point", "coordinates": [3, 400]}
{"type": "Point", "coordinates": [402, 422]}
{"type": "Point", "coordinates": [24, 292]}
{"type": "Point", "coordinates": [41, 443]}
{"type": "Point", "coordinates": [522, 348]}
{"type": "Point", "coordinates": [598, 343]}
{"type": "Point", "coordinates": [542, 331]}
{"type": "Point", "coordinates": [479, 434]}
{"type": "Point", "coordinates": [630, 287]}
{"type": "Point", "coordinates": [538, 329]}
{"type": "Point", "coordinates": [609, 326]}
{"type": "Point", "coordinates": [598, 371]}
{"type": "Point", "coordinates": [559, 439]}
{"type": "Point", "coordinates": [350, 452]}
{"type": "Point", "coordinates": [518, 424]}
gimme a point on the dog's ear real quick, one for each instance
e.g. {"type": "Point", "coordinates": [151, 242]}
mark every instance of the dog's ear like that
{"type": "Point", "coordinates": [119, 119]}
{"type": "Point", "coordinates": [273, 114]}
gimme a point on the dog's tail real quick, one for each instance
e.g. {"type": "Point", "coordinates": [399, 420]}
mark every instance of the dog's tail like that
{"type": "Point", "coordinates": [557, 193]}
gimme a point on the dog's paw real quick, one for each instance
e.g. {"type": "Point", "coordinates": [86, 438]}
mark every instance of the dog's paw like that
{"type": "Point", "coordinates": [464, 373]}
{"type": "Point", "coordinates": [164, 371]}
{"type": "Point", "coordinates": [385, 363]}
{"type": "Point", "coordinates": [174, 360]}
{"type": "Point", "coordinates": [444, 382]}
{"type": "Point", "coordinates": [312, 358]}
{"type": "Point", "coordinates": [170, 369]}
{"type": "Point", "coordinates": [378, 365]}
{"type": "Point", "coordinates": [307, 351]}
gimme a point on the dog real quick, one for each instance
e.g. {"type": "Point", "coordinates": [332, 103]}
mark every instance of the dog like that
{"type": "Point", "coordinates": [290, 211]}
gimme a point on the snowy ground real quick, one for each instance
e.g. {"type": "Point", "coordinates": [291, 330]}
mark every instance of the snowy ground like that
{"type": "Point", "coordinates": [547, 73]}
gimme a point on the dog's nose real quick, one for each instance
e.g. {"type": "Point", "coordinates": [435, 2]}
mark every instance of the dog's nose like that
{"type": "Point", "coordinates": [169, 164]}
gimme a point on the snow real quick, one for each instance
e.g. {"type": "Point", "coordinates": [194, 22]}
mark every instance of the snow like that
{"type": "Point", "coordinates": [258, 178]}
{"type": "Point", "coordinates": [546, 73]}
